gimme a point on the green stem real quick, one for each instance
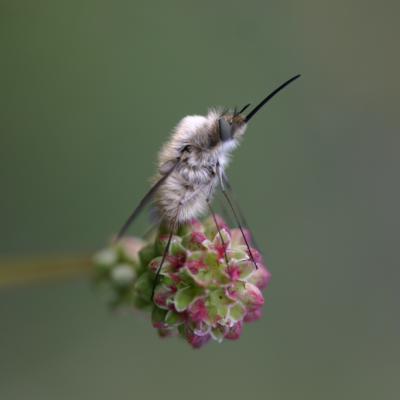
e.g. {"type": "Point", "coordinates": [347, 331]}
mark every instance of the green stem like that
{"type": "Point", "coordinates": [24, 271]}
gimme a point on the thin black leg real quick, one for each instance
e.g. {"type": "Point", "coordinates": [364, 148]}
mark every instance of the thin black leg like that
{"type": "Point", "coordinates": [242, 218]}
{"type": "Point", "coordinates": [219, 232]}
{"type": "Point", "coordinates": [163, 259]}
{"type": "Point", "coordinates": [235, 215]}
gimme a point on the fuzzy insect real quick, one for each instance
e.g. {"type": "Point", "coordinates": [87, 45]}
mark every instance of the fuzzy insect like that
{"type": "Point", "coordinates": [192, 165]}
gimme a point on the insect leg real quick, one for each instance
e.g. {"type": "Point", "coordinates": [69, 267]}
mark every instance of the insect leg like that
{"type": "Point", "coordinates": [234, 214]}
{"type": "Point", "coordinates": [224, 211]}
{"type": "Point", "coordinates": [186, 197]}
{"type": "Point", "coordinates": [243, 220]}
{"type": "Point", "coordinates": [146, 199]}
{"type": "Point", "coordinates": [217, 226]}
{"type": "Point", "coordinates": [164, 256]}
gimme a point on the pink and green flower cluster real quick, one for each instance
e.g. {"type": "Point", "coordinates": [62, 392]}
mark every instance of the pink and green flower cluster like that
{"type": "Point", "coordinates": [198, 296]}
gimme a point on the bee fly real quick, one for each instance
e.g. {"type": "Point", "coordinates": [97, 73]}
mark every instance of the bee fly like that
{"type": "Point", "coordinates": [192, 165]}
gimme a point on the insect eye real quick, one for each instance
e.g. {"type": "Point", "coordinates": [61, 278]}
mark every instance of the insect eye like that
{"type": "Point", "coordinates": [225, 130]}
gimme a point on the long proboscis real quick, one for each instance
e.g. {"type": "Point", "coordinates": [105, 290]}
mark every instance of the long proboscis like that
{"type": "Point", "coordinates": [269, 97]}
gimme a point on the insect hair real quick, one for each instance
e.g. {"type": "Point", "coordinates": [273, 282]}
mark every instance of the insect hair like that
{"type": "Point", "coordinates": [192, 164]}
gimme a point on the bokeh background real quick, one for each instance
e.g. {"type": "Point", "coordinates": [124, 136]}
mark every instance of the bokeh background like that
{"type": "Point", "coordinates": [89, 90]}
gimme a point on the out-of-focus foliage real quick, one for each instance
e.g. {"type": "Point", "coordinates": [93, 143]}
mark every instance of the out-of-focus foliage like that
{"type": "Point", "coordinates": [89, 91]}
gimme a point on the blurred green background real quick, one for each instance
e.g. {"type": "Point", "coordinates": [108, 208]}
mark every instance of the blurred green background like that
{"type": "Point", "coordinates": [89, 92]}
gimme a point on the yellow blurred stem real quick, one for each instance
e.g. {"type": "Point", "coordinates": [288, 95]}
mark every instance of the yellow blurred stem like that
{"type": "Point", "coordinates": [19, 272]}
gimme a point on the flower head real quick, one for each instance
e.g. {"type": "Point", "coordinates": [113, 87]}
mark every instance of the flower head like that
{"type": "Point", "coordinates": [207, 287]}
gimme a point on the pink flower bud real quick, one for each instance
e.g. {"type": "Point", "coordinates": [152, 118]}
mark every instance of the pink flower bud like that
{"type": "Point", "coordinates": [207, 287]}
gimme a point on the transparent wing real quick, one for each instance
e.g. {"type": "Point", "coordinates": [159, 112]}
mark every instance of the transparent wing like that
{"type": "Point", "coordinates": [145, 201]}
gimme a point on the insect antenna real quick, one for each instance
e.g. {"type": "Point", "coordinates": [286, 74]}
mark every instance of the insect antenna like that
{"type": "Point", "coordinates": [235, 216]}
{"type": "Point", "coordinates": [269, 97]}
{"type": "Point", "coordinates": [244, 108]}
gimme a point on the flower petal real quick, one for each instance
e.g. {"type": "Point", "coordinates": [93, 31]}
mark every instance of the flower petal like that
{"type": "Point", "coordinates": [184, 297]}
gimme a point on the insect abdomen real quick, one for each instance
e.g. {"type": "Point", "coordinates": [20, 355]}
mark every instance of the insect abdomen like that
{"type": "Point", "coordinates": [184, 194]}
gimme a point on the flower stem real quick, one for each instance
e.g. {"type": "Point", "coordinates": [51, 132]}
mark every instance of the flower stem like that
{"type": "Point", "coordinates": [19, 271]}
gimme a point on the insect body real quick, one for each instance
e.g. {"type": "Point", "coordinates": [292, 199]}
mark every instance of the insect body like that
{"type": "Point", "coordinates": [198, 152]}
{"type": "Point", "coordinates": [192, 165]}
